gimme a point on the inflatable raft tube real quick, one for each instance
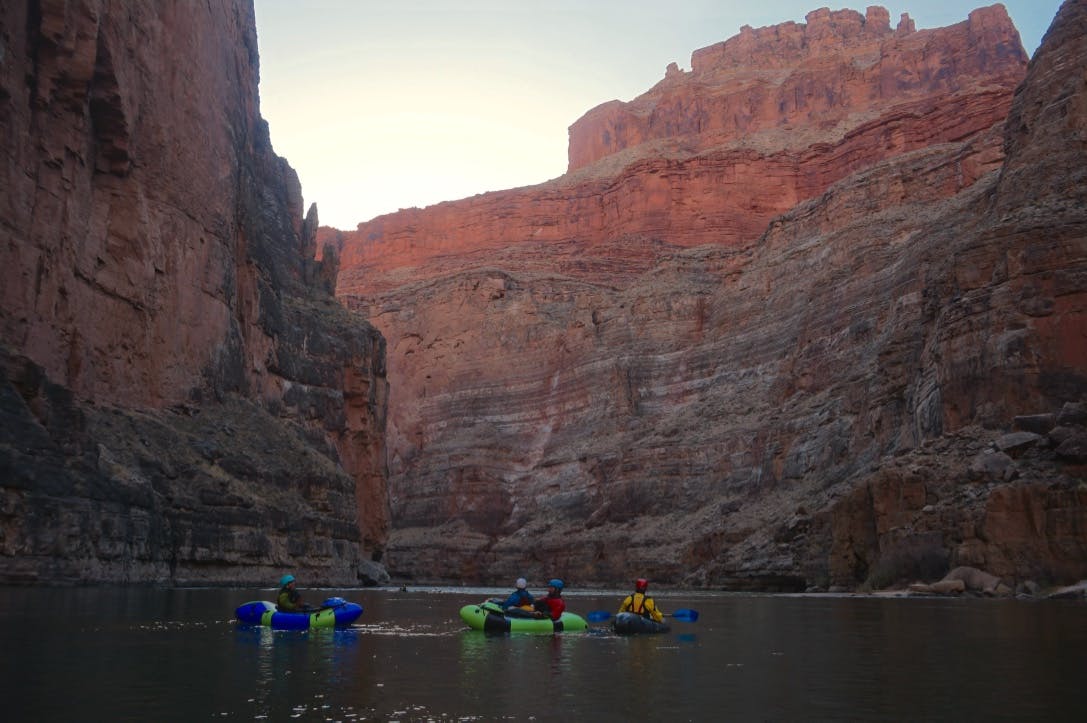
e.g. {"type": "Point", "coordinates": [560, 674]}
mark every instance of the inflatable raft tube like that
{"type": "Point", "coordinates": [632, 624]}
{"type": "Point", "coordinates": [490, 618]}
{"type": "Point", "coordinates": [335, 612]}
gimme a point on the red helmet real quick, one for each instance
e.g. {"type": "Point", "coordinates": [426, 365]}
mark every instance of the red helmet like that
{"type": "Point", "coordinates": [641, 584]}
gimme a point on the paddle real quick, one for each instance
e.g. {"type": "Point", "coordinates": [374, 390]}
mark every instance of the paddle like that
{"type": "Point", "coordinates": [684, 614]}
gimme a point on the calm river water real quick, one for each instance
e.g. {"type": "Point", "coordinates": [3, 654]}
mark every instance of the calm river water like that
{"type": "Point", "coordinates": [111, 654]}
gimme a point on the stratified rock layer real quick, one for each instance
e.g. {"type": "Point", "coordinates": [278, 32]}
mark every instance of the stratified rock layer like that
{"type": "Point", "coordinates": [826, 76]}
{"type": "Point", "coordinates": [181, 397]}
{"type": "Point", "coordinates": [884, 278]}
{"type": "Point", "coordinates": [762, 122]}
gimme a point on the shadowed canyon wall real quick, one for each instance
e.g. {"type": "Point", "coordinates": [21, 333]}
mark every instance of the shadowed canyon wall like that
{"type": "Point", "coordinates": [810, 314]}
{"type": "Point", "coordinates": [182, 399]}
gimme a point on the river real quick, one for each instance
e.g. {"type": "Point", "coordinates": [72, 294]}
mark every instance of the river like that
{"type": "Point", "coordinates": [149, 654]}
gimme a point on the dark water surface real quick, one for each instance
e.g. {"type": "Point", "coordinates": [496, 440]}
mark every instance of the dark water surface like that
{"type": "Point", "coordinates": [176, 654]}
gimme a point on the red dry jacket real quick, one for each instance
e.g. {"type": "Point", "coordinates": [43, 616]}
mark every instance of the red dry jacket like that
{"type": "Point", "coordinates": [556, 605]}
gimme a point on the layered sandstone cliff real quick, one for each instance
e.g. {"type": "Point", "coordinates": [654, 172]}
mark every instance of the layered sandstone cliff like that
{"type": "Point", "coordinates": [181, 397]}
{"type": "Point", "coordinates": [824, 77]}
{"type": "Point", "coordinates": [712, 155]}
{"type": "Point", "coordinates": [821, 390]}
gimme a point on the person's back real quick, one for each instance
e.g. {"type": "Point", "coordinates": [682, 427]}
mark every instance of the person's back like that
{"type": "Point", "coordinates": [640, 603]}
{"type": "Point", "coordinates": [520, 597]}
{"type": "Point", "coordinates": [553, 604]}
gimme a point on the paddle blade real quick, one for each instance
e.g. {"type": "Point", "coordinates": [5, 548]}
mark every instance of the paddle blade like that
{"type": "Point", "coordinates": [685, 614]}
{"type": "Point", "coordinates": [598, 616]}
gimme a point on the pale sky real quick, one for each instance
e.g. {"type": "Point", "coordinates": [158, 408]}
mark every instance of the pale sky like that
{"type": "Point", "coordinates": [387, 104]}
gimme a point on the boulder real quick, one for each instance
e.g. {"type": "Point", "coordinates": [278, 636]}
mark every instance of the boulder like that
{"type": "Point", "coordinates": [992, 466]}
{"type": "Point", "coordinates": [373, 573]}
{"type": "Point", "coordinates": [948, 587]}
{"type": "Point", "coordinates": [1016, 444]}
{"type": "Point", "coordinates": [974, 579]}
{"type": "Point", "coordinates": [1074, 447]}
{"type": "Point", "coordinates": [1073, 413]}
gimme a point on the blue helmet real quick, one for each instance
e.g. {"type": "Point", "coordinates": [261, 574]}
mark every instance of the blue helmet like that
{"type": "Point", "coordinates": [555, 583]}
{"type": "Point", "coordinates": [283, 581]}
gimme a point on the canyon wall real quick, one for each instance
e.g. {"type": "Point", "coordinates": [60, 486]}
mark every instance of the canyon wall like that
{"type": "Point", "coordinates": [182, 398]}
{"type": "Point", "coordinates": [821, 76]}
{"type": "Point", "coordinates": [710, 156]}
{"type": "Point", "coordinates": [792, 320]}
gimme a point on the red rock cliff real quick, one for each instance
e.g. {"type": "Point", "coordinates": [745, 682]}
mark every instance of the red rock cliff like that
{"type": "Point", "coordinates": [166, 336]}
{"type": "Point", "coordinates": [711, 156]}
{"type": "Point", "coordinates": [821, 392]}
{"type": "Point", "coordinates": [820, 75]}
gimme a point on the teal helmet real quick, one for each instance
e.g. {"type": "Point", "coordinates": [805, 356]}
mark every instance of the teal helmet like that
{"type": "Point", "coordinates": [285, 580]}
{"type": "Point", "coordinates": [555, 583]}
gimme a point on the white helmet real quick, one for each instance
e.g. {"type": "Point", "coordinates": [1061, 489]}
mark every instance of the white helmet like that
{"type": "Point", "coordinates": [522, 583]}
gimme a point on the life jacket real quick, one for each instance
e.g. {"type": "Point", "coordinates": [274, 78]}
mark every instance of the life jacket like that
{"type": "Point", "coordinates": [638, 605]}
{"type": "Point", "coordinates": [555, 605]}
{"type": "Point", "coordinates": [288, 600]}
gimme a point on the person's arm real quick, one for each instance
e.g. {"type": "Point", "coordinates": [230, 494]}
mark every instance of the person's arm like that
{"type": "Point", "coordinates": [558, 610]}
{"type": "Point", "coordinates": [627, 602]}
{"type": "Point", "coordinates": [654, 610]}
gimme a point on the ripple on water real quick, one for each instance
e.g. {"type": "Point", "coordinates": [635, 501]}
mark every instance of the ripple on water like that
{"type": "Point", "coordinates": [320, 710]}
{"type": "Point", "coordinates": [404, 631]}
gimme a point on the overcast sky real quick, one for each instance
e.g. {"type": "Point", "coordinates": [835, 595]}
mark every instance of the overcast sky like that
{"type": "Point", "coordinates": [388, 104]}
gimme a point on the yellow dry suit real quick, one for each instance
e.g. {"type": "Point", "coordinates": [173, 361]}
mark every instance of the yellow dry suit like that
{"type": "Point", "coordinates": [641, 604]}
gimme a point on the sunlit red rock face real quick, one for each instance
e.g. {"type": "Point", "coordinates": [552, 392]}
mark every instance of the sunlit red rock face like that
{"type": "Point", "coordinates": [181, 397]}
{"type": "Point", "coordinates": [761, 122]}
{"type": "Point", "coordinates": [818, 394]}
{"type": "Point", "coordinates": [827, 75]}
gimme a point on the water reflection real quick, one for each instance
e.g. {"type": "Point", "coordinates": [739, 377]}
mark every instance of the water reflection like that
{"type": "Point", "coordinates": [522, 673]}
{"type": "Point", "coordinates": [296, 670]}
{"type": "Point", "coordinates": [148, 654]}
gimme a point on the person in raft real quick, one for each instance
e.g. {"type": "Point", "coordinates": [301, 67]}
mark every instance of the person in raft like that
{"type": "Point", "coordinates": [639, 602]}
{"type": "Point", "coordinates": [520, 597]}
{"type": "Point", "coordinates": [289, 599]}
{"type": "Point", "coordinates": [553, 605]}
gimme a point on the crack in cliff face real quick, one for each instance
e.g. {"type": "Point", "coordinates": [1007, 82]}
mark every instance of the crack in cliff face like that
{"type": "Point", "coordinates": [33, 42]}
{"type": "Point", "coordinates": [99, 288]}
{"type": "Point", "coordinates": [109, 123]}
